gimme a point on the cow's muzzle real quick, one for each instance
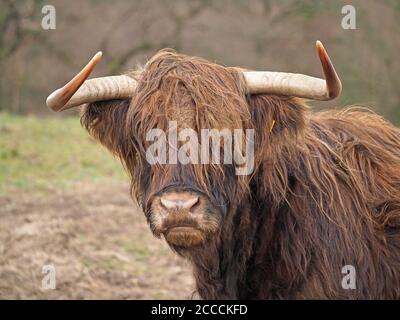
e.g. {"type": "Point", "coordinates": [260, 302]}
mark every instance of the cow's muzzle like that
{"type": "Point", "coordinates": [184, 218]}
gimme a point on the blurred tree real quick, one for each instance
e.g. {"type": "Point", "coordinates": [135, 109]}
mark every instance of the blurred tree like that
{"type": "Point", "coordinates": [174, 12]}
{"type": "Point", "coordinates": [17, 25]}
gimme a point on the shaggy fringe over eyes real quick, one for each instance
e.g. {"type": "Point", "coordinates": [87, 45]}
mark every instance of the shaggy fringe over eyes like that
{"type": "Point", "coordinates": [198, 95]}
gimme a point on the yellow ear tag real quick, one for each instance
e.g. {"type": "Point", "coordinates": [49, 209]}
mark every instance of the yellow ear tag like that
{"type": "Point", "coordinates": [272, 125]}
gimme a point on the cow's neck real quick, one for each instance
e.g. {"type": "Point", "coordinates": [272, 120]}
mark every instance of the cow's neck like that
{"type": "Point", "coordinates": [223, 268]}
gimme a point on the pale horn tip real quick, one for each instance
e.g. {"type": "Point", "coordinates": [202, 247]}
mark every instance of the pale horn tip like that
{"type": "Point", "coordinates": [98, 55]}
{"type": "Point", "coordinates": [321, 50]}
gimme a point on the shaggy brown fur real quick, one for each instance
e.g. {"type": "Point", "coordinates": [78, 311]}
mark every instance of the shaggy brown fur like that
{"type": "Point", "coordinates": [325, 191]}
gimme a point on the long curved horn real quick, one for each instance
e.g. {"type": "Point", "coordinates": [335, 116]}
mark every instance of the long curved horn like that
{"type": "Point", "coordinates": [298, 85]}
{"type": "Point", "coordinates": [79, 91]}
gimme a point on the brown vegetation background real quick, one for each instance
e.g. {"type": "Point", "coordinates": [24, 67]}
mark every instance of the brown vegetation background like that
{"type": "Point", "coordinates": [257, 34]}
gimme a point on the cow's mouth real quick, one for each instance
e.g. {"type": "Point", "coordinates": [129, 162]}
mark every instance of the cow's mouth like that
{"type": "Point", "coordinates": [184, 236]}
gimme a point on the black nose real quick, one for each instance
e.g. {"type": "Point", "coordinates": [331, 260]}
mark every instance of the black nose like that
{"type": "Point", "coordinates": [179, 201]}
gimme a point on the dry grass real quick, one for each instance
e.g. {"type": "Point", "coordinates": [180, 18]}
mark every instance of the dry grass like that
{"type": "Point", "coordinates": [96, 238]}
{"type": "Point", "coordinates": [65, 201]}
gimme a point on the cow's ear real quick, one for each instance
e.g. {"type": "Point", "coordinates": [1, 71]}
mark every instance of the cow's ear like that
{"type": "Point", "coordinates": [105, 121]}
{"type": "Point", "coordinates": [278, 122]}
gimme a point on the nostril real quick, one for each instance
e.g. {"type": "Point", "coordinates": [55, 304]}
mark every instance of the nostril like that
{"type": "Point", "coordinates": [173, 204]}
{"type": "Point", "coordinates": [190, 203]}
{"type": "Point", "coordinates": [169, 204]}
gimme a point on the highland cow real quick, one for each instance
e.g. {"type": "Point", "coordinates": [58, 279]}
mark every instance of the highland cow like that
{"type": "Point", "coordinates": [324, 192]}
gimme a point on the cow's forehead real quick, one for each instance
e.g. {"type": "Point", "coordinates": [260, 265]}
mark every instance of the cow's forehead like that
{"type": "Point", "coordinates": [190, 91]}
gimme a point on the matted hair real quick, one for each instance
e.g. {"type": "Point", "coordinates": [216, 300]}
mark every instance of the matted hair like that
{"type": "Point", "coordinates": [325, 191]}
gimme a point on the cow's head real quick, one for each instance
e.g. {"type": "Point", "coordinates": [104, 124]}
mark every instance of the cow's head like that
{"type": "Point", "coordinates": [162, 121]}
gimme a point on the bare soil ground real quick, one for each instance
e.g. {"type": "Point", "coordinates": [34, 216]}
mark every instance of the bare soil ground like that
{"type": "Point", "coordinates": [98, 241]}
